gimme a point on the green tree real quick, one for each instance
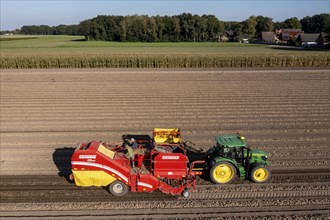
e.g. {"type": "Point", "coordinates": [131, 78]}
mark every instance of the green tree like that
{"type": "Point", "coordinates": [176, 28]}
{"type": "Point", "coordinates": [214, 27]}
{"type": "Point", "coordinates": [264, 24]}
{"type": "Point", "coordinates": [278, 25]}
{"type": "Point", "coordinates": [249, 26]}
{"type": "Point", "coordinates": [316, 24]}
{"type": "Point", "coordinates": [160, 27]}
{"type": "Point", "coordinates": [236, 27]}
{"type": "Point", "coordinates": [201, 26]}
{"type": "Point", "coordinates": [123, 29]}
{"type": "Point", "coordinates": [111, 26]}
{"type": "Point", "coordinates": [292, 23]}
{"type": "Point", "coordinates": [85, 29]}
{"type": "Point", "coordinates": [185, 22]}
{"type": "Point", "coordinates": [307, 24]}
{"type": "Point", "coordinates": [152, 30]}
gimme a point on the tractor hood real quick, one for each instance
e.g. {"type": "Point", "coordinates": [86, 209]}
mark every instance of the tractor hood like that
{"type": "Point", "coordinates": [259, 153]}
{"type": "Point", "coordinates": [259, 157]}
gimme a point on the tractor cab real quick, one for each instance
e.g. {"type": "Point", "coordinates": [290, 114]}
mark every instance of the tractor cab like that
{"type": "Point", "coordinates": [230, 146]}
{"type": "Point", "coordinates": [236, 148]}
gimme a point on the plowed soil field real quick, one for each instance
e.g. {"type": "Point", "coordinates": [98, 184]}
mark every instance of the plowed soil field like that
{"type": "Point", "coordinates": [285, 112]}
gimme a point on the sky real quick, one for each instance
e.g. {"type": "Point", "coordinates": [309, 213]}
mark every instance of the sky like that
{"type": "Point", "coordinates": [17, 13]}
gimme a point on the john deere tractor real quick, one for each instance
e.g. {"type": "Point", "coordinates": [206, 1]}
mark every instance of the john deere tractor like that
{"type": "Point", "coordinates": [232, 157]}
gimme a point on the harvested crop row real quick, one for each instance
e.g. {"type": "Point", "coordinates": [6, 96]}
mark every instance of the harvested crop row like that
{"type": "Point", "coordinates": [44, 113]}
{"type": "Point", "coordinates": [281, 112]}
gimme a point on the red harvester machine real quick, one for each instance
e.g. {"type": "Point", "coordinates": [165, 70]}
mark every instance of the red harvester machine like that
{"type": "Point", "coordinates": [159, 163]}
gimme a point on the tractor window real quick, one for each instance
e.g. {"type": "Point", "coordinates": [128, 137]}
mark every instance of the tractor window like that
{"type": "Point", "coordinates": [231, 152]}
{"type": "Point", "coordinates": [220, 150]}
{"type": "Point", "coordinates": [228, 151]}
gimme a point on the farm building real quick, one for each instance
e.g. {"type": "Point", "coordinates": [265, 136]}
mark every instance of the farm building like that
{"type": "Point", "coordinates": [231, 36]}
{"type": "Point", "coordinates": [307, 39]}
{"type": "Point", "coordinates": [244, 38]}
{"type": "Point", "coordinates": [268, 37]}
{"type": "Point", "coordinates": [287, 34]}
{"type": "Point", "coordinates": [224, 38]}
{"type": "Point", "coordinates": [278, 32]}
{"type": "Point", "coordinates": [323, 40]}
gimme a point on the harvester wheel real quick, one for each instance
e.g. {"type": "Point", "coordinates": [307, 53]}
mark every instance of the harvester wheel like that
{"type": "Point", "coordinates": [223, 172]}
{"type": "Point", "coordinates": [186, 194]}
{"type": "Point", "coordinates": [118, 188]}
{"type": "Point", "coordinates": [260, 174]}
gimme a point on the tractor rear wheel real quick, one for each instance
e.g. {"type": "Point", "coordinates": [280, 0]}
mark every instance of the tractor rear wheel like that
{"type": "Point", "coordinates": [260, 174]}
{"type": "Point", "coordinates": [223, 172]}
{"type": "Point", "coordinates": [118, 188]}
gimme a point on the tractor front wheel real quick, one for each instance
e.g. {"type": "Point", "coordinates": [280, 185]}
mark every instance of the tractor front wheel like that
{"type": "Point", "coordinates": [260, 174]}
{"type": "Point", "coordinates": [223, 172]}
{"type": "Point", "coordinates": [118, 188]}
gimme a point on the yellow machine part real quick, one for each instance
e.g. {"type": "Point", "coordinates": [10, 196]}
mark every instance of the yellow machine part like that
{"type": "Point", "coordinates": [92, 178]}
{"type": "Point", "coordinates": [106, 151]}
{"type": "Point", "coordinates": [167, 135]}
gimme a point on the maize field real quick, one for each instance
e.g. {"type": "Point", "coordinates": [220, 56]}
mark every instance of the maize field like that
{"type": "Point", "coordinates": [163, 61]}
{"type": "Point", "coordinates": [71, 52]}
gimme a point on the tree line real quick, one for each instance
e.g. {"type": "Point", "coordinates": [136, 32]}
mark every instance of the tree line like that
{"type": "Point", "coordinates": [47, 30]}
{"type": "Point", "coordinates": [184, 27]}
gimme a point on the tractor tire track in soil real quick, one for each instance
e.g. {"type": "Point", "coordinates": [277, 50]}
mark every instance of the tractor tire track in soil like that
{"type": "Point", "coordinates": [44, 113]}
{"type": "Point", "coordinates": [47, 193]}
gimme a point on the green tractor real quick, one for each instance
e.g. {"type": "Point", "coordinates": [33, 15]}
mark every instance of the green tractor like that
{"type": "Point", "coordinates": [232, 157]}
